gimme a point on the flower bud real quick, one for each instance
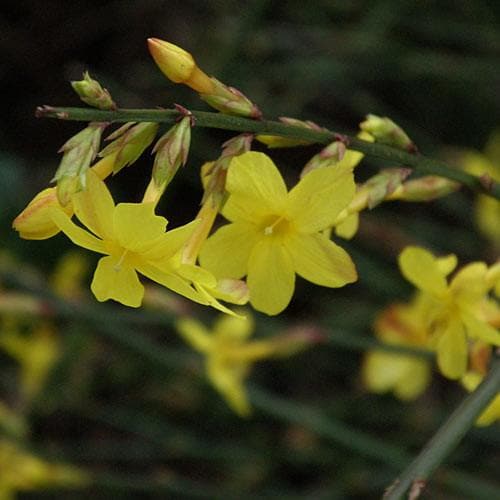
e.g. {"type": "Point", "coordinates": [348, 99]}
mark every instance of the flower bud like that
{"type": "Point", "coordinates": [35, 223]}
{"type": "Point", "coordinates": [275, 141]}
{"type": "Point", "coordinates": [129, 142]}
{"type": "Point", "coordinates": [327, 157]}
{"type": "Point", "coordinates": [230, 101]}
{"type": "Point", "coordinates": [172, 151]}
{"type": "Point", "coordinates": [385, 131]}
{"type": "Point", "coordinates": [179, 66]}
{"type": "Point", "coordinates": [425, 188]}
{"type": "Point", "coordinates": [381, 186]}
{"type": "Point", "coordinates": [79, 152]}
{"type": "Point", "coordinates": [91, 93]}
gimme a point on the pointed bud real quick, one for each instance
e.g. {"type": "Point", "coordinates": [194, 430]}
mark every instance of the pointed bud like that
{"type": "Point", "coordinates": [427, 188]}
{"type": "Point", "coordinates": [382, 185]}
{"type": "Point", "coordinates": [91, 93]}
{"type": "Point", "coordinates": [328, 157]}
{"type": "Point", "coordinates": [214, 176]}
{"type": "Point", "coordinates": [78, 153]}
{"type": "Point", "coordinates": [230, 101]}
{"type": "Point", "coordinates": [275, 141]}
{"type": "Point", "coordinates": [232, 291]}
{"type": "Point", "coordinates": [34, 222]}
{"type": "Point", "coordinates": [385, 131]}
{"type": "Point", "coordinates": [179, 66]}
{"type": "Point", "coordinates": [172, 150]}
{"type": "Point", "coordinates": [129, 142]}
{"type": "Point", "coordinates": [297, 339]}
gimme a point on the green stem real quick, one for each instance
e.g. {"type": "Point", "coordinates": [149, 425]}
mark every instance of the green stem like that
{"type": "Point", "coordinates": [366, 445]}
{"type": "Point", "coordinates": [447, 437]}
{"type": "Point", "coordinates": [420, 163]}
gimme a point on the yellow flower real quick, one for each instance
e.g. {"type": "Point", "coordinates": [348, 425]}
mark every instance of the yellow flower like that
{"type": "Point", "coordinates": [274, 234]}
{"type": "Point", "coordinates": [35, 222]}
{"type": "Point", "coordinates": [229, 354]}
{"type": "Point", "coordinates": [492, 412]}
{"type": "Point", "coordinates": [132, 238]}
{"type": "Point", "coordinates": [487, 209]}
{"type": "Point", "coordinates": [406, 376]}
{"type": "Point", "coordinates": [455, 310]}
{"type": "Point", "coordinates": [36, 352]}
{"type": "Point", "coordinates": [21, 471]}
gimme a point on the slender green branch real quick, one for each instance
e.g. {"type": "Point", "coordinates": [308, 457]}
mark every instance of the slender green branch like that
{"type": "Point", "coordinates": [366, 445]}
{"type": "Point", "coordinates": [420, 163]}
{"type": "Point", "coordinates": [447, 437]}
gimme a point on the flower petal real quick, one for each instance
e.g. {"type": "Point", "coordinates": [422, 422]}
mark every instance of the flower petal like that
{"type": "Point", "coordinates": [117, 281]}
{"type": "Point", "coordinates": [136, 226]}
{"type": "Point", "coordinates": [171, 281]}
{"type": "Point", "coordinates": [75, 233]}
{"type": "Point", "coordinates": [348, 228]}
{"type": "Point", "coordinates": [256, 188]}
{"type": "Point", "coordinates": [481, 330]}
{"type": "Point", "coordinates": [197, 274]}
{"type": "Point", "coordinates": [469, 285]}
{"type": "Point", "coordinates": [452, 351]}
{"type": "Point", "coordinates": [315, 202]}
{"type": "Point", "coordinates": [229, 382]}
{"type": "Point", "coordinates": [195, 334]}
{"type": "Point", "coordinates": [169, 243]}
{"type": "Point", "coordinates": [320, 261]}
{"type": "Point", "coordinates": [271, 277]}
{"type": "Point", "coordinates": [94, 206]}
{"type": "Point", "coordinates": [227, 251]}
{"type": "Point", "coordinates": [234, 330]}
{"type": "Point", "coordinates": [421, 269]}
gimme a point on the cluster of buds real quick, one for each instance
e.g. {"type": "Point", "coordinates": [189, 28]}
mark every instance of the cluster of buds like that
{"type": "Point", "coordinates": [179, 66]}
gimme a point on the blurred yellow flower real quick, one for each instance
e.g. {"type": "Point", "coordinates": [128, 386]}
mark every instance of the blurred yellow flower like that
{"type": "Point", "coordinates": [21, 471]}
{"type": "Point", "coordinates": [36, 352]}
{"type": "Point", "coordinates": [487, 209]}
{"type": "Point", "coordinates": [274, 234]}
{"type": "Point", "coordinates": [454, 310]}
{"type": "Point", "coordinates": [230, 355]}
{"type": "Point", "coordinates": [407, 376]}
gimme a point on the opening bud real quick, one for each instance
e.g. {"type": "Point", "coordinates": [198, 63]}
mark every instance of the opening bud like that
{"type": "Point", "coordinates": [385, 131]}
{"type": "Point", "coordinates": [92, 93]}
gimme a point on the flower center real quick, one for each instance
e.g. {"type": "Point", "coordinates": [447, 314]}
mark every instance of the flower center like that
{"type": "Point", "coordinates": [276, 225]}
{"type": "Point", "coordinates": [120, 260]}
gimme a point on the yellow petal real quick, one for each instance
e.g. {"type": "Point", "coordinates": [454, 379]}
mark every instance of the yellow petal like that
{"type": "Point", "coordinates": [197, 274]}
{"type": "Point", "coordinates": [406, 376]}
{"type": "Point", "coordinates": [171, 281]}
{"type": "Point", "coordinates": [491, 414]}
{"type": "Point", "coordinates": [320, 261]}
{"type": "Point", "coordinates": [229, 382]}
{"type": "Point", "coordinates": [169, 243]}
{"type": "Point", "coordinates": [195, 334]}
{"type": "Point", "coordinates": [421, 269]}
{"type": "Point", "coordinates": [94, 206]}
{"type": "Point", "coordinates": [469, 285]}
{"type": "Point", "coordinates": [481, 330]}
{"type": "Point", "coordinates": [233, 329]}
{"type": "Point", "coordinates": [227, 251]}
{"type": "Point", "coordinates": [75, 233]}
{"type": "Point", "coordinates": [136, 226]}
{"type": "Point", "coordinates": [447, 264]}
{"type": "Point", "coordinates": [211, 301]}
{"type": "Point", "coordinates": [348, 228]}
{"type": "Point", "coordinates": [256, 187]}
{"type": "Point", "coordinates": [452, 351]}
{"type": "Point", "coordinates": [315, 202]}
{"type": "Point", "coordinates": [117, 281]}
{"type": "Point", "coordinates": [271, 278]}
